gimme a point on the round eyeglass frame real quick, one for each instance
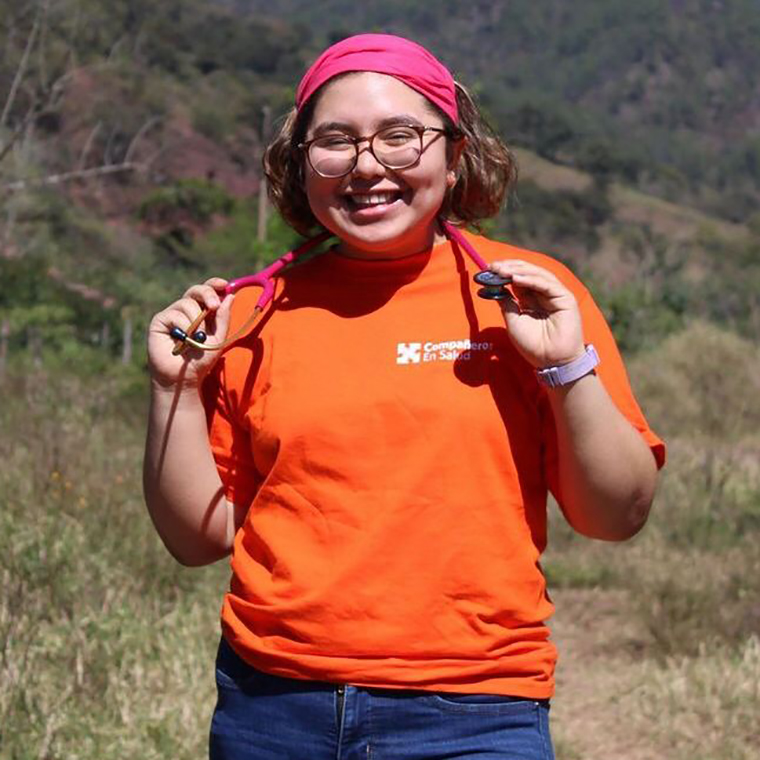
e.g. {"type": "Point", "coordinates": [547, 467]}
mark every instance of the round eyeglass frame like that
{"type": "Point", "coordinates": [418, 128]}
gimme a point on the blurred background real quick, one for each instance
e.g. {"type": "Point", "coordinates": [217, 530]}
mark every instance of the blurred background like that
{"type": "Point", "coordinates": [131, 135]}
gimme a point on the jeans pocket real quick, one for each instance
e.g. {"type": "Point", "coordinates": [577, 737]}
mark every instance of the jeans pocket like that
{"type": "Point", "coordinates": [232, 671]}
{"type": "Point", "coordinates": [487, 703]}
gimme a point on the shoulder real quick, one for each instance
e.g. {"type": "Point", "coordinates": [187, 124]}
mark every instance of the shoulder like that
{"type": "Point", "coordinates": [247, 297]}
{"type": "Point", "coordinates": [253, 327]}
{"type": "Point", "coordinates": [495, 250]}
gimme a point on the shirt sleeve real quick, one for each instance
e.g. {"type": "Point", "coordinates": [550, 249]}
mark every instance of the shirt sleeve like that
{"type": "Point", "coordinates": [230, 440]}
{"type": "Point", "coordinates": [611, 371]}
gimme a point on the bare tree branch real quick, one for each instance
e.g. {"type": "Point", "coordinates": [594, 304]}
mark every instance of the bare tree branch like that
{"type": "Point", "coordinates": [41, 49]}
{"type": "Point", "coordinates": [24, 62]}
{"type": "Point", "coordinates": [88, 145]}
{"type": "Point", "coordinates": [107, 153]}
{"type": "Point", "coordinates": [6, 234]}
{"type": "Point", "coordinates": [87, 292]}
{"type": "Point", "coordinates": [150, 160]}
{"type": "Point", "coordinates": [18, 131]}
{"type": "Point", "coordinates": [37, 109]}
{"type": "Point", "coordinates": [57, 179]}
{"type": "Point", "coordinates": [116, 47]}
{"type": "Point", "coordinates": [149, 124]}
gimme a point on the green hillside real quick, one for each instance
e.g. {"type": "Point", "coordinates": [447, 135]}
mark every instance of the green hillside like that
{"type": "Point", "coordinates": [661, 93]}
{"type": "Point", "coordinates": [131, 134]}
{"type": "Point", "coordinates": [131, 137]}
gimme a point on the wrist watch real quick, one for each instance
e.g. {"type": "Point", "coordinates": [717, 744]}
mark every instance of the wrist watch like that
{"type": "Point", "coordinates": [553, 377]}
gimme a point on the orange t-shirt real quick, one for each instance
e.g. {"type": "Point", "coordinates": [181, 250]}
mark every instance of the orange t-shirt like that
{"type": "Point", "coordinates": [396, 452]}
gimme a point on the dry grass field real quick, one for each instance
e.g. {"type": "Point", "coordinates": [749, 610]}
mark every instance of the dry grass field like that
{"type": "Point", "coordinates": [660, 637]}
{"type": "Point", "coordinates": [106, 645]}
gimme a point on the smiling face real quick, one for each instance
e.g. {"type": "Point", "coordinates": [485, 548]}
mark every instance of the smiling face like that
{"type": "Point", "coordinates": [378, 212]}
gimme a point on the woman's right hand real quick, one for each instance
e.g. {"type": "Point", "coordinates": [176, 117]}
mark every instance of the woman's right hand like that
{"type": "Point", "coordinates": [188, 369]}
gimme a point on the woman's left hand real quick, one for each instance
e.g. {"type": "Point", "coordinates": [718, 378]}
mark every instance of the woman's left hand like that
{"type": "Point", "coordinates": [543, 318]}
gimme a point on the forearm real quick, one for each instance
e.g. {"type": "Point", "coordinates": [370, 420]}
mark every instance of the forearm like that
{"type": "Point", "coordinates": [181, 484]}
{"type": "Point", "coordinates": [607, 474]}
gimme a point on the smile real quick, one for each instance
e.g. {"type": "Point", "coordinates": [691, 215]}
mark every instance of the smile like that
{"type": "Point", "coordinates": [358, 201]}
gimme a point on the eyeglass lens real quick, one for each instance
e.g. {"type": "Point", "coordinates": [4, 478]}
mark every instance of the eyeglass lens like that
{"type": "Point", "coordinates": [395, 148]}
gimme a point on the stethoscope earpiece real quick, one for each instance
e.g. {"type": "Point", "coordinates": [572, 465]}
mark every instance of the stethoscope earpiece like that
{"type": "Point", "coordinates": [494, 285]}
{"type": "Point", "coordinates": [178, 334]}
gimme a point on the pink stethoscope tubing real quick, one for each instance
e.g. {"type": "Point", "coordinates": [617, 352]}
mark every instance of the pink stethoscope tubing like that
{"type": "Point", "coordinates": [265, 279]}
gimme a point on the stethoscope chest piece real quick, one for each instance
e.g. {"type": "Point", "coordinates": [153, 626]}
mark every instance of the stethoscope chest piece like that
{"type": "Point", "coordinates": [494, 285]}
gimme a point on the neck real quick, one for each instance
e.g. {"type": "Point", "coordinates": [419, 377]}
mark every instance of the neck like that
{"type": "Point", "coordinates": [382, 253]}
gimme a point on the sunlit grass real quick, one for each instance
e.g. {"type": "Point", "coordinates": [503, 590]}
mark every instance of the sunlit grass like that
{"type": "Point", "coordinates": [704, 707]}
{"type": "Point", "coordinates": [107, 645]}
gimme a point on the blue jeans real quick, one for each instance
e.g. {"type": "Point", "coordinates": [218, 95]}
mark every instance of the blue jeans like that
{"type": "Point", "coordinates": [264, 717]}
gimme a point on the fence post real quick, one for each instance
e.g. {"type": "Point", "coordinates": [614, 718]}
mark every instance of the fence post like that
{"type": "Point", "coordinates": [34, 341]}
{"type": "Point", "coordinates": [126, 338]}
{"type": "Point", "coordinates": [105, 335]}
{"type": "Point", "coordinates": [5, 333]}
{"type": "Point", "coordinates": [263, 206]}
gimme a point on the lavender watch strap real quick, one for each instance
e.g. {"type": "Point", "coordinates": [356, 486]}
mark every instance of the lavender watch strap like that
{"type": "Point", "coordinates": [567, 373]}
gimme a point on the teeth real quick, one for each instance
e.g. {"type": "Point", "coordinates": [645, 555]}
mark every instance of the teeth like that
{"type": "Point", "coordinates": [373, 199]}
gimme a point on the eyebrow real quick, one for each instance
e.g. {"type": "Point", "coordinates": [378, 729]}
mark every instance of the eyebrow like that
{"type": "Point", "coordinates": [327, 127]}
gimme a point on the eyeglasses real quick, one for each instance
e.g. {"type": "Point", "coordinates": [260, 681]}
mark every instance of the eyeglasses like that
{"type": "Point", "coordinates": [396, 147]}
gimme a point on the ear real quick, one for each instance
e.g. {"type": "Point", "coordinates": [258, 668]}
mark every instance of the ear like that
{"type": "Point", "coordinates": [456, 150]}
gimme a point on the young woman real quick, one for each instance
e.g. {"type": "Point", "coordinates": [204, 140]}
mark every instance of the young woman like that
{"type": "Point", "coordinates": [377, 451]}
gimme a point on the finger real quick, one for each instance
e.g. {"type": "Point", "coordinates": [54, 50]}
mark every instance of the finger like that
{"type": "Point", "coordinates": [205, 295]}
{"type": "Point", "coordinates": [518, 269]}
{"type": "Point", "coordinates": [529, 300]}
{"type": "Point", "coordinates": [191, 332]}
{"type": "Point", "coordinates": [509, 305]}
{"type": "Point", "coordinates": [523, 298]}
{"type": "Point", "coordinates": [519, 265]}
{"type": "Point", "coordinates": [214, 323]}
{"type": "Point", "coordinates": [180, 314]}
{"type": "Point", "coordinates": [222, 315]}
{"type": "Point", "coordinates": [216, 327]}
{"type": "Point", "coordinates": [548, 292]}
{"type": "Point", "coordinates": [520, 309]}
{"type": "Point", "coordinates": [190, 307]}
{"type": "Point", "coordinates": [198, 321]}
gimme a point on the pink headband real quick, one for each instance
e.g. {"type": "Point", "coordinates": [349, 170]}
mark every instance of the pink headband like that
{"type": "Point", "coordinates": [385, 54]}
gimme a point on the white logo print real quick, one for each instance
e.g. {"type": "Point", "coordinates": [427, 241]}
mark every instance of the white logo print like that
{"type": "Point", "coordinates": [445, 351]}
{"type": "Point", "coordinates": [409, 353]}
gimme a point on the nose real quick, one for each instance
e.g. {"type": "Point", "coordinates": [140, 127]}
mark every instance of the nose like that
{"type": "Point", "coordinates": [366, 163]}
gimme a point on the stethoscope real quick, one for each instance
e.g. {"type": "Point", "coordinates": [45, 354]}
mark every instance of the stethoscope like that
{"type": "Point", "coordinates": [493, 288]}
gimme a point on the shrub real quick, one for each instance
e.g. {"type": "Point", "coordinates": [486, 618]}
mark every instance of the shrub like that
{"type": "Point", "coordinates": [197, 199]}
{"type": "Point", "coordinates": [702, 382]}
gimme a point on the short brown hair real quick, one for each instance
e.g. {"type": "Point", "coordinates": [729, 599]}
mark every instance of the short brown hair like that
{"type": "Point", "coordinates": [485, 172]}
